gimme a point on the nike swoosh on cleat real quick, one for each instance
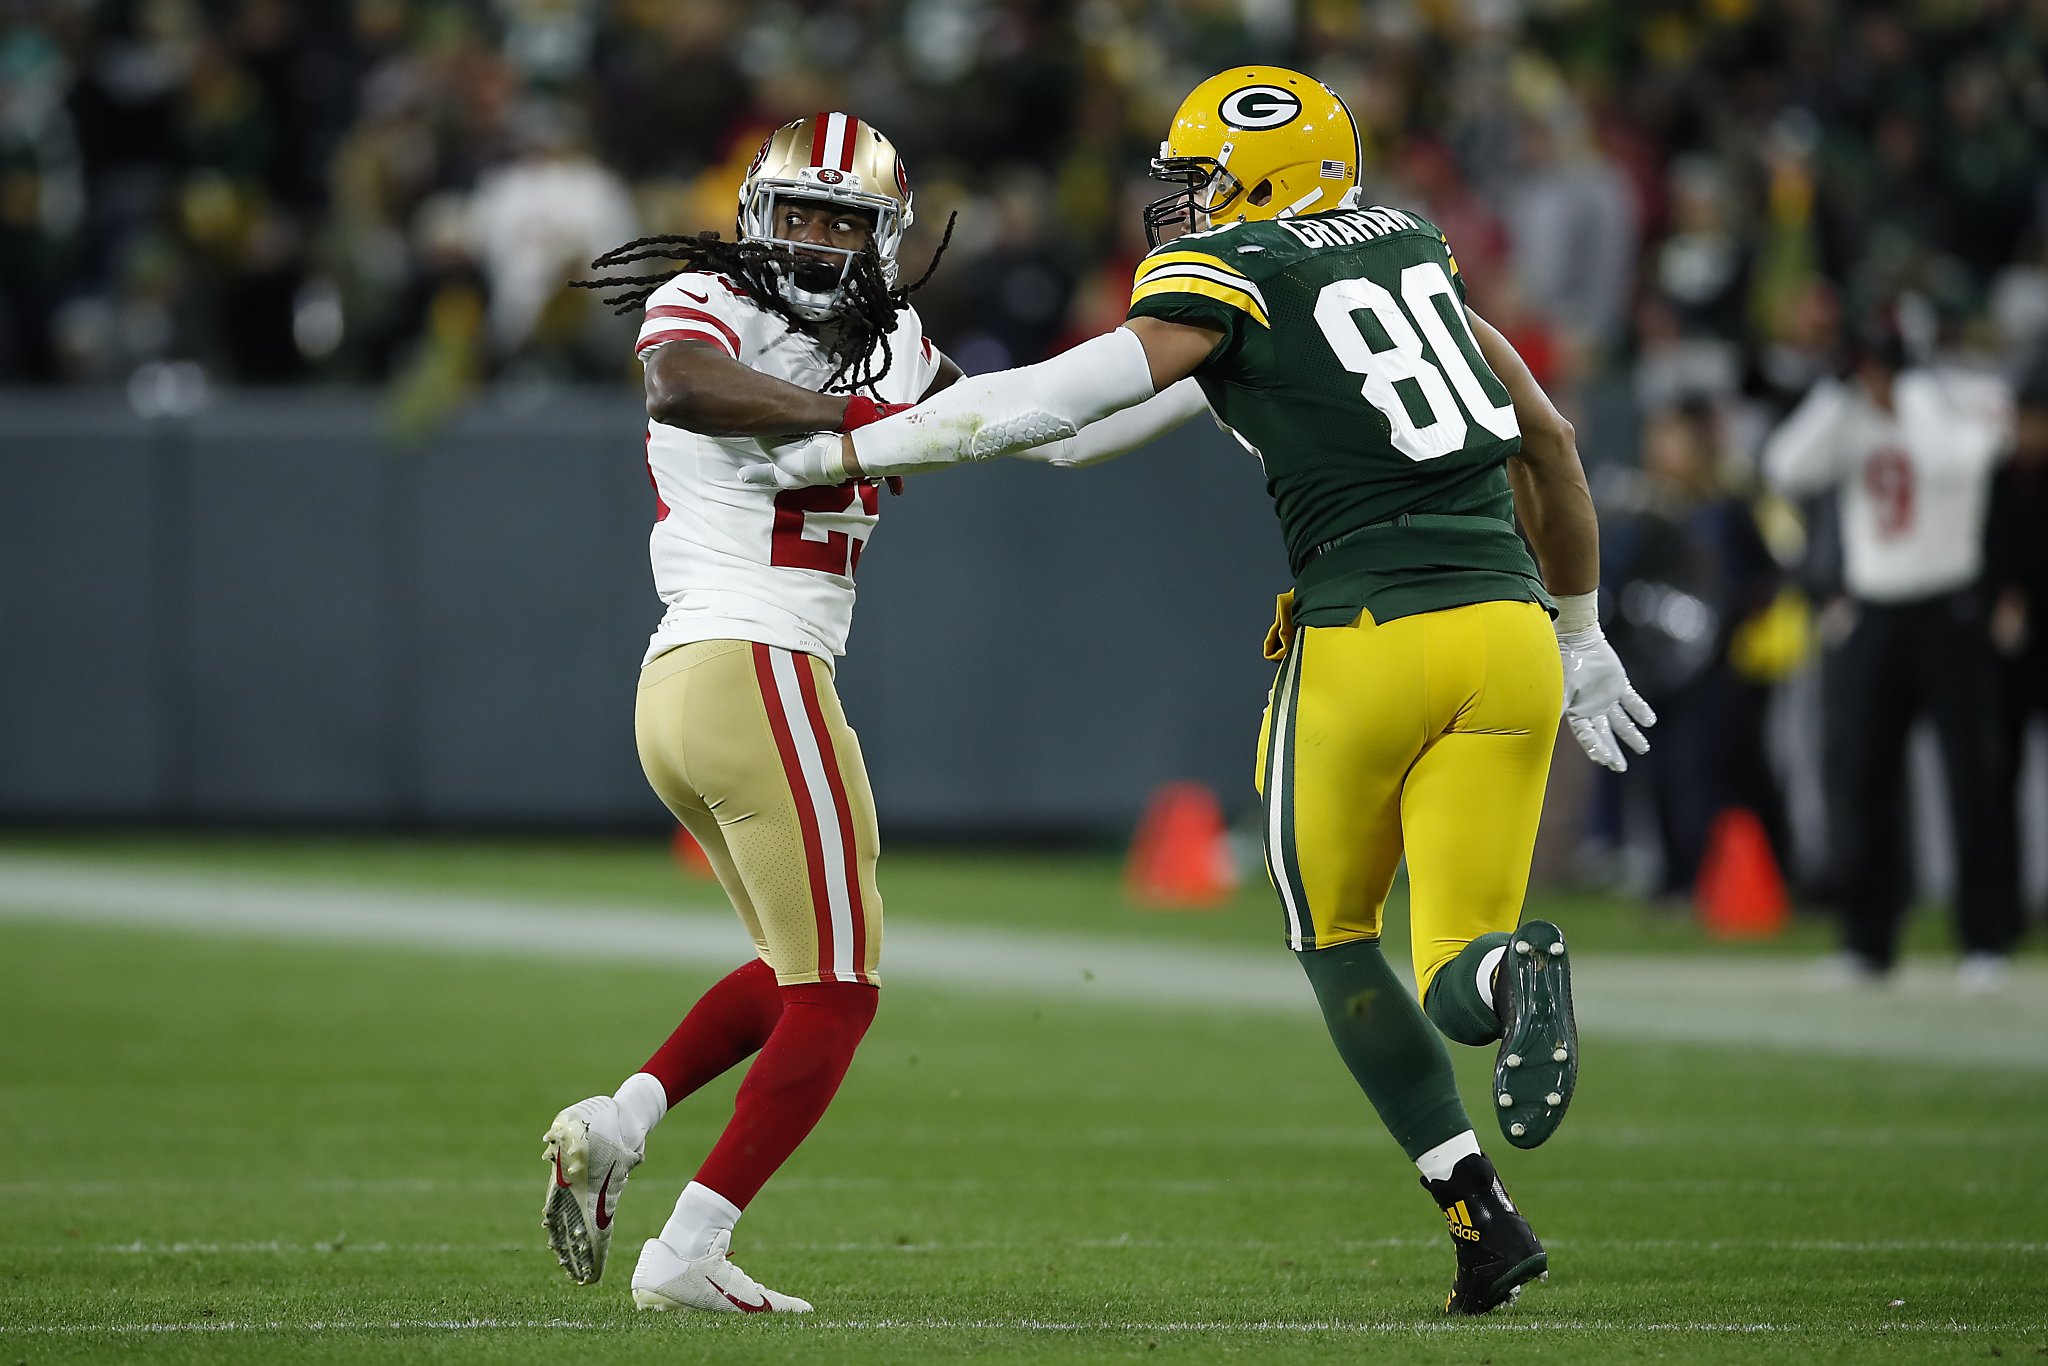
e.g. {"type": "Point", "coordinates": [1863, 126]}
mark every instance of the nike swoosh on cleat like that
{"type": "Point", "coordinates": [737, 1303]}
{"type": "Point", "coordinates": [560, 1179]}
{"type": "Point", "coordinates": [604, 1217]}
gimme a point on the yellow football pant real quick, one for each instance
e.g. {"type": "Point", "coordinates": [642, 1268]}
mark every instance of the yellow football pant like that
{"type": "Point", "coordinates": [1428, 736]}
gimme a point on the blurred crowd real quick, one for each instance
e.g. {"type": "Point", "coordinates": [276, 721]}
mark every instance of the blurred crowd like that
{"type": "Point", "coordinates": [1685, 213]}
{"type": "Point", "coordinates": [371, 189]}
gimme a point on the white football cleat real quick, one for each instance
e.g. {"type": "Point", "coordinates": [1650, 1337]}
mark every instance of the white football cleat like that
{"type": "Point", "coordinates": [664, 1280]}
{"type": "Point", "coordinates": [588, 1163]}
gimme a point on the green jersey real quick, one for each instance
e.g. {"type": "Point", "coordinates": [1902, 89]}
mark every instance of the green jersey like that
{"type": "Point", "coordinates": [1348, 367]}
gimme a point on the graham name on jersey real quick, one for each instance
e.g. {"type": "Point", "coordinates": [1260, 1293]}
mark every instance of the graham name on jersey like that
{"type": "Point", "coordinates": [1349, 228]}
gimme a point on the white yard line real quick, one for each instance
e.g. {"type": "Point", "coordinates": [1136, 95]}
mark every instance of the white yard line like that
{"type": "Point", "coordinates": [1697, 998]}
{"type": "Point", "coordinates": [1018, 1325]}
{"type": "Point", "coordinates": [1428, 1246]}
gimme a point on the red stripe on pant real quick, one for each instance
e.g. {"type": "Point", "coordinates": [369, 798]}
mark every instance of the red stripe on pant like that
{"type": "Point", "coordinates": [809, 686]}
{"type": "Point", "coordinates": [799, 792]}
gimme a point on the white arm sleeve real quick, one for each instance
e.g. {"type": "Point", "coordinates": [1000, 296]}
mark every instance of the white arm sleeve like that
{"type": "Point", "coordinates": [1011, 410]}
{"type": "Point", "coordinates": [1125, 430]}
{"type": "Point", "coordinates": [1801, 455]}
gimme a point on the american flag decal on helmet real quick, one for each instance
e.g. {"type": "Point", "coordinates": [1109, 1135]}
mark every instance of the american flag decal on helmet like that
{"type": "Point", "coordinates": [1335, 170]}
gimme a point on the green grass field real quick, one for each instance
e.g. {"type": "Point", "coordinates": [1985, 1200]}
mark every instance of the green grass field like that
{"type": "Point", "coordinates": [235, 1142]}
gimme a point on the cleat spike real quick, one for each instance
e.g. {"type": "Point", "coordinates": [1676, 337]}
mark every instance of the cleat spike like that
{"type": "Point", "coordinates": [1506, 1100]}
{"type": "Point", "coordinates": [1522, 947]}
{"type": "Point", "coordinates": [1557, 949]}
{"type": "Point", "coordinates": [1518, 1129]}
{"type": "Point", "coordinates": [1514, 1059]}
{"type": "Point", "coordinates": [1553, 1099]}
{"type": "Point", "coordinates": [1560, 1054]}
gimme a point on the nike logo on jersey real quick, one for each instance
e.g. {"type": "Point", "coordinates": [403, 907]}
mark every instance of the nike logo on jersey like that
{"type": "Point", "coordinates": [604, 1215]}
{"type": "Point", "coordinates": [738, 1303]}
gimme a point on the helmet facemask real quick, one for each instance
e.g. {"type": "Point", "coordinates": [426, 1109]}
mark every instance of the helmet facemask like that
{"type": "Point", "coordinates": [811, 276]}
{"type": "Point", "coordinates": [1207, 189]}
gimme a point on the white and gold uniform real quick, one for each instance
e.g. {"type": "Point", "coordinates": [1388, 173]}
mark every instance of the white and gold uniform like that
{"type": "Point", "coordinates": [739, 728]}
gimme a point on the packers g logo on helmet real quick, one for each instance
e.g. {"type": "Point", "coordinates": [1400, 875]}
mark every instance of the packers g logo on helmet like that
{"type": "Point", "coordinates": [1250, 144]}
{"type": "Point", "coordinates": [1259, 106]}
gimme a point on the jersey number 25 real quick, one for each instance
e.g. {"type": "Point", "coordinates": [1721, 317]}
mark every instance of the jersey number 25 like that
{"type": "Point", "coordinates": [1418, 354]}
{"type": "Point", "coordinates": [833, 552]}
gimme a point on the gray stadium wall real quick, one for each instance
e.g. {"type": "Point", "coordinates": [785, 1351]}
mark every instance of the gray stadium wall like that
{"type": "Point", "coordinates": [276, 613]}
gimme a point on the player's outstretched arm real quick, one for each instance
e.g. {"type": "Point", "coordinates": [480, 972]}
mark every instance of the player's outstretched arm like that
{"type": "Point", "coordinates": [695, 385]}
{"type": "Point", "coordinates": [1556, 508]}
{"type": "Point", "coordinates": [1122, 431]}
{"type": "Point", "coordinates": [1004, 413]}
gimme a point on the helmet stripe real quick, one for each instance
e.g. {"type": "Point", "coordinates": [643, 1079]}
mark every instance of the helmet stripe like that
{"type": "Point", "coordinates": [834, 151]}
{"type": "Point", "coordinates": [848, 146]}
{"type": "Point", "coordinates": [819, 123]}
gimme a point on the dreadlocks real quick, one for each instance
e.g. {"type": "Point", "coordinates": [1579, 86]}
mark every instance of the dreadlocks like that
{"type": "Point", "coordinates": [867, 316]}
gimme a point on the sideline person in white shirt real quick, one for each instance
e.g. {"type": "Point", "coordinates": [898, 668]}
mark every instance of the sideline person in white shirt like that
{"type": "Point", "coordinates": [1909, 453]}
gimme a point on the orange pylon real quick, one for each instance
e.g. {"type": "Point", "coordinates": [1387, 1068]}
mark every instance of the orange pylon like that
{"type": "Point", "coordinates": [1740, 892]}
{"type": "Point", "coordinates": [1180, 857]}
{"type": "Point", "coordinates": [690, 855]}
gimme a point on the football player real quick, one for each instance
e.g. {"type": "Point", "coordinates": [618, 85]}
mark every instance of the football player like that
{"type": "Point", "coordinates": [796, 327]}
{"type": "Point", "coordinates": [1419, 650]}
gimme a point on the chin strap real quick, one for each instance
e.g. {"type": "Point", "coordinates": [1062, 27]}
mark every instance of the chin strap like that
{"type": "Point", "coordinates": [1298, 205]}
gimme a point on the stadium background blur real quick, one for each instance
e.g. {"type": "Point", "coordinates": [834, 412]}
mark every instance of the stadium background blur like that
{"type": "Point", "coordinates": [323, 583]}
{"type": "Point", "coordinates": [359, 218]}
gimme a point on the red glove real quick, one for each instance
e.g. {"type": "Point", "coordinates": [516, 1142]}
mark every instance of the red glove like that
{"type": "Point", "coordinates": [860, 411]}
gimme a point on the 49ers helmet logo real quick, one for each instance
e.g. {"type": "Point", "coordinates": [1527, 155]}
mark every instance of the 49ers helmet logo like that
{"type": "Point", "coordinates": [1260, 106]}
{"type": "Point", "coordinates": [831, 176]}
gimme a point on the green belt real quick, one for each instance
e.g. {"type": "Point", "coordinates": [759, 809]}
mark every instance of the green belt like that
{"type": "Point", "coordinates": [1445, 520]}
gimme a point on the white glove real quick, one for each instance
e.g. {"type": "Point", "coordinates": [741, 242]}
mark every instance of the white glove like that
{"type": "Point", "coordinates": [1599, 705]}
{"type": "Point", "coordinates": [801, 463]}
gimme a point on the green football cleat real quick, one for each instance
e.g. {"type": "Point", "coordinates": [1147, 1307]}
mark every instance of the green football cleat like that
{"type": "Point", "coordinates": [1497, 1254]}
{"type": "Point", "coordinates": [1537, 1067]}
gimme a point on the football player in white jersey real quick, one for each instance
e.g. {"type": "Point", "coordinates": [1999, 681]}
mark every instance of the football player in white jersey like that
{"type": "Point", "coordinates": [798, 326]}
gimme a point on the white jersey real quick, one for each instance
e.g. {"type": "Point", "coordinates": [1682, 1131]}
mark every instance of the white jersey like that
{"type": "Point", "coordinates": [734, 560]}
{"type": "Point", "coordinates": [1913, 484]}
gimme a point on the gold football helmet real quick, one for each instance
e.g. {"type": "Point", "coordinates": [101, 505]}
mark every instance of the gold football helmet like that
{"type": "Point", "coordinates": [835, 159]}
{"type": "Point", "coordinates": [1253, 143]}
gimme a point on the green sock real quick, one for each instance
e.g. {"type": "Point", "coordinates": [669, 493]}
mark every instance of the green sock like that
{"type": "Point", "coordinates": [1453, 999]}
{"type": "Point", "coordinates": [1384, 1039]}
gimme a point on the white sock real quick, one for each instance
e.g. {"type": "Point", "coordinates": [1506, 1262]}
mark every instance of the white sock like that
{"type": "Point", "coordinates": [1487, 966]}
{"type": "Point", "coordinates": [701, 1215]}
{"type": "Point", "coordinates": [1437, 1163]}
{"type": "Point", "coordinates": [642, 1103]}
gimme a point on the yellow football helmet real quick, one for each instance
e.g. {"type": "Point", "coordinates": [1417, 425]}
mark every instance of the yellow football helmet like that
{"type": "Point", "coordinates": [1253, 143]}
{"type": "Point", "coordinates": [838, 159]}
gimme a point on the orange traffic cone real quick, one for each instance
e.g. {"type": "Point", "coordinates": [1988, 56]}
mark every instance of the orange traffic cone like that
{"type": "Point", "coordinates": [1740, 893]}
{"type": "Point", "coordinates": [690, 855]}
{"type": "Point", "coordinates": [1181, 857]}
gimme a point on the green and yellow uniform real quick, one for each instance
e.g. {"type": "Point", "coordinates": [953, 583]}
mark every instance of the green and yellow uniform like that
{"type": "Point", "coordinates": [1419, 690]}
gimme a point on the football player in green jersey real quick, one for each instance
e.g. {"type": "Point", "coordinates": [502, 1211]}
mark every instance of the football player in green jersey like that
{"type": "Point", "coordinates": [1424, 658]}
